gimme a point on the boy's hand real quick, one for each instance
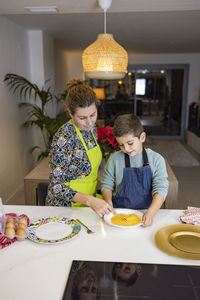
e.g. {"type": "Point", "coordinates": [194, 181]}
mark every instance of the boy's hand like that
{"type": "Point", "coordinates": [147, 219]}
{"type": "Point", "coordinates": [157, 201]}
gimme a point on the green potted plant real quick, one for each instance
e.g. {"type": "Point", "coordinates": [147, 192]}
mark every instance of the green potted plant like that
{"type": "Point", "coordinates": [36, 112]}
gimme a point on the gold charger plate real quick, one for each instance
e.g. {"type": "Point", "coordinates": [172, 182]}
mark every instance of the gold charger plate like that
{"type": "Point", "coordinates": [182, 240]}
{"type": "Point", "coordinates": [188, 241]}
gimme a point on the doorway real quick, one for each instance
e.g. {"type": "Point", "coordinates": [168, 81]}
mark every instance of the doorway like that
{"type": "Point", "coordinates": [160, 92]}
{"type": "Point", "coordinates": [157, 94]}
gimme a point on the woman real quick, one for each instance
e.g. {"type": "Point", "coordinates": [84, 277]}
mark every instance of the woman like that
{"type": "Point", "coordinates": [75, 155]}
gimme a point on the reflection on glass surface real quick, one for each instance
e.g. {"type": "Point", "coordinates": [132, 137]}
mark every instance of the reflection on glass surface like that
{"type": "Point", "coordinates": [104, 281]}
{"type": "Point", "coordinates": [126, 273]}
{"type": "Point", "coordinates": [85, 282]}
{"type": "Point", "coordinates": [90, 280]}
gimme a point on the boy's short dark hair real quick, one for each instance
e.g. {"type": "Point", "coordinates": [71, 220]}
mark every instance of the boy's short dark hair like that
{"type": "Point", "coordinates": [127, 123]}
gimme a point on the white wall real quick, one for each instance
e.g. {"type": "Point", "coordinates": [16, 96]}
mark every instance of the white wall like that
{"type": "Point", "coordinates": [14, 156]}
{"type": "Point", "coordinates": [49, 59]}
{"type": "Point", "coordinates": [49, 69]}
{"type": "Point", "coordinates": [68, 65]}
{"type": "Point", "coordinates": [24, 53]}
{"type": "Point", "coordinates": [41, 52]}
{"type": "Point", "coordinates": [36, 57]}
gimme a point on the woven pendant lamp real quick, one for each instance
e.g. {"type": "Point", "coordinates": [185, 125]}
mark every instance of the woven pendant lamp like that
{"type": "Point", "coordinates": [105, 58]}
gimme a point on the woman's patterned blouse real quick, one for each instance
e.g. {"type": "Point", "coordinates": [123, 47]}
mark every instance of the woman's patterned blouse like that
{"type": "Point", "coordinates": [68, 161]}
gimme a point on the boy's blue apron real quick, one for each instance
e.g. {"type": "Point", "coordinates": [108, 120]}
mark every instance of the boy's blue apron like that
{"type": "Point", "coordinates": [135, 190]}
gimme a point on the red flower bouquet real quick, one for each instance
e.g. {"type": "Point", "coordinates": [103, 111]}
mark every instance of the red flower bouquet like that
{"type": "Point", "coordinates": [107, 141]}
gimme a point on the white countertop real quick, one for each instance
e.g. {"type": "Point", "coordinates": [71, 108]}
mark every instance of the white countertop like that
{"type": "Point", "coordinates": [32, 271]}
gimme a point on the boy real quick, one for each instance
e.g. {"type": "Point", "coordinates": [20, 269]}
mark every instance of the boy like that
{"type": "Point", "coordinates": [134, 177]}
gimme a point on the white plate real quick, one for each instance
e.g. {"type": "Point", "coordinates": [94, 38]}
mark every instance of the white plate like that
{"type": "Point", "coordinates": [107, 218]}
{"type": "Point", "coordinates": [53, 230]}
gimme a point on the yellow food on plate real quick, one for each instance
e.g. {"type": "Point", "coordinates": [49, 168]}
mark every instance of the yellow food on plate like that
{"type": "Point", "coordinates": [126, 219]}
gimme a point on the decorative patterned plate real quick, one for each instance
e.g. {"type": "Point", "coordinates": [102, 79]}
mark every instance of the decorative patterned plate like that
{"type": "Point", "coordinates": [53, 230]}
{"type": "Point", "coordinates": [182, 240]}
{"type": "Point", "coordinates": [108, 217]}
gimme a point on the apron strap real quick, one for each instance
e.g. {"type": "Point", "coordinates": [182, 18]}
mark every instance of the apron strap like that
{"type": "Point", "coordinates": [81, 137]}
{"type": "Point", "coordinates": [144, 156]}
{"type": "Point", "coordinates": [127, 161]}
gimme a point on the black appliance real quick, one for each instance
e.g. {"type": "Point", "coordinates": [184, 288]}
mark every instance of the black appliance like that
{"type": "Point", "coordinates": [91, 280]}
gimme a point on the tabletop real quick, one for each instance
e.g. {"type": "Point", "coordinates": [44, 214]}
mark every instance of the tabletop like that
{"type": "Point", "coordinates": [31, 270]}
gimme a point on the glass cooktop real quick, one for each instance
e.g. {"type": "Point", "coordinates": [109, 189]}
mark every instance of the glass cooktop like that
{"type": "Point", "coordinates": [91, 280]}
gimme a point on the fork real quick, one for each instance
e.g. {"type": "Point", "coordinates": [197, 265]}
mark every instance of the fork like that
{"type": "Point", "coordinates": [123, 217]}
{"type": "Point", "coordinates": [88, 230]}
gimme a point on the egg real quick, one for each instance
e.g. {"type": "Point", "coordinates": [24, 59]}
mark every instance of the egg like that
{"type": "Point", "coordinates": [10, 220]}
{"type": "Point", "coordinates": [21, 226]}
{"type": "Point", "coordinates": [21, 233]}
{"type": "Point", "coordinates": [22, 221]}
{"type": "Point", "coordinates": [10, 225]}
{"type": "Point", "coordinates": [10, 233]}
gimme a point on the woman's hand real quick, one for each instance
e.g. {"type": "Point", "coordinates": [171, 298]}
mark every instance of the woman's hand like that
{"type": "Point", "coordinates": [101, 207]}
{"type": "Point", "coordinates": [147, 219]}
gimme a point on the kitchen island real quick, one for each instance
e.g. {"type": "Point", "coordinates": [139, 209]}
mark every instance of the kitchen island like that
{"type": "Point", "coordinates": [30, 270]}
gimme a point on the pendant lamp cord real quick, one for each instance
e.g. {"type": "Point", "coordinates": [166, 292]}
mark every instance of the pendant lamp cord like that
{"type": "Point", "coordinates": [104, 21]}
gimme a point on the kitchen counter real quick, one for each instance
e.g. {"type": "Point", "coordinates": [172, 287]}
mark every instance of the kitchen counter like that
{"type": "Point", "coordinates": [32, 271]}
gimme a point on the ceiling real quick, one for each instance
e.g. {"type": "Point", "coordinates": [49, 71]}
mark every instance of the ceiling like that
{"type": "Point", "coordinates": [140, 26]}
